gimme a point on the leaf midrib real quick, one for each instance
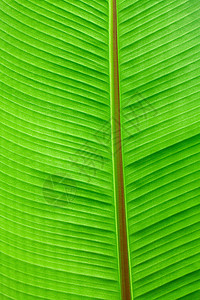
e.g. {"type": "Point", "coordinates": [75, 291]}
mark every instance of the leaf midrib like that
{"type": "Point", "coordinates": [118, 177]}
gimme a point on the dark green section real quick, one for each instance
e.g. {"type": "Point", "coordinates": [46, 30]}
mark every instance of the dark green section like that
{"type": "Point", "coordinates": [159, 43]}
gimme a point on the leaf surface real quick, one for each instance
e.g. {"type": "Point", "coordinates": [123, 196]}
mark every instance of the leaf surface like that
{"type": "Point", "coordinates": [90, 160]}
{"type": "Point", "coordinates": [159, 71]}
{"type": "Point", "coordinates": [58, 222]}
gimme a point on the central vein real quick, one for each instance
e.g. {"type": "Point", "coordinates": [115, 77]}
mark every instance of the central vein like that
{"type": "Point", "coordinates": [117, 155]}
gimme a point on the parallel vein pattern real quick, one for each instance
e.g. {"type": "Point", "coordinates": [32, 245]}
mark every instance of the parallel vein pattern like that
{"type": "Point", "coordinates": [58, 228]}
{"type": "Point", "coordinates": [159, 44]}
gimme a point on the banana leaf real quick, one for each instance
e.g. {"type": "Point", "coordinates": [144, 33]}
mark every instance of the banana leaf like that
{"type": "Point", "coordinates": [99, 164]}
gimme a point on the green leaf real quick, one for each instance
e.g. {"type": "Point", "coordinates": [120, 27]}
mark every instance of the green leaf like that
{"type": "Point", "coordinates": [159, 45]}
{"type": "Point", "coordinates": [58, 222]}
{"type": "Point", "coordinates": [99, 175]}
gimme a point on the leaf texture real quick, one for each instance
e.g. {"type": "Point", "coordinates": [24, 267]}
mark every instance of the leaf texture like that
{"type": "Point", "coordinates": [159, 45]}
{"type": "Point", "coordinates": [58, 222]}
{"type": "Point", "coordinates": [59, 212]}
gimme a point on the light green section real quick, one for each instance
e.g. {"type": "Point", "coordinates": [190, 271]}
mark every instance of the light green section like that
{"type": "Point", "coordinates": [58, 219]}
{"type": "Point", "coordinates": [112, 124]}
{"type": "Point", "coordinates": [159, 45]}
